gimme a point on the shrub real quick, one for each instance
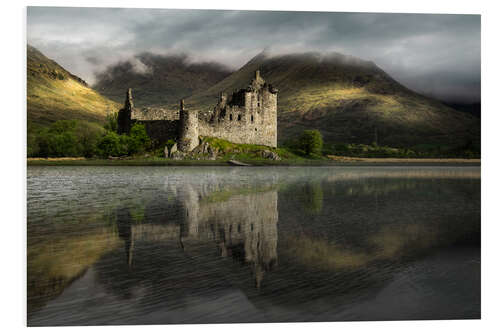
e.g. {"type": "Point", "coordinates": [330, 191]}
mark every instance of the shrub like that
{"type": "Point", "coordinates": [112, 122]}
{"type": "Point", "coordinates": [72, 138]}
{"type": "Point", "coordinates": [138, 140]}
{"type": "Point", "coordinates": [112, 144]}
{"type": "Point", "coordinates": [64, 138]}
{"type": "Point", "coordinates": [57, 144]}
{"type": "Point", "coordinates": [87, 135]}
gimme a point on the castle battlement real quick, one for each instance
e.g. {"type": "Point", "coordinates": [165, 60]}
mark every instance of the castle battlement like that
{"type": "Point", "coordinates": [248, 116]}
{"type": "Point", "coordinates": [154, 113]}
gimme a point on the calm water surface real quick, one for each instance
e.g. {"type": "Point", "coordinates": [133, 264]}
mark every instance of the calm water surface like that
{"type": "Point", "coordinates": [159, 245]}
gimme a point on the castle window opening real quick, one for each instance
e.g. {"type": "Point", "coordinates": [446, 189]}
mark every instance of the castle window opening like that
{"type": "Point", "coordinates": [251, 118]}
{"type": "Point", "coordinates": [239, 117]}
{"type": "Point", "coordinates": [231, 117]}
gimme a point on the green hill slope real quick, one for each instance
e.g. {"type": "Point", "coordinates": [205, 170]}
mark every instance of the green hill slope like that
{"type": "Point", "coordinates": [54, 94]}
{"type": "Point", "coordinates": [348, 100]}
{"type": "Point", "coordinates": [158, 80]}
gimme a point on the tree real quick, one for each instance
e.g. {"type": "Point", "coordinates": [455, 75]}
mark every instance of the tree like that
{"type": "Point", "coordinates": [64, 138]}
{"type": "Point", "coordinates": [111, 144]}
{"type": "Point", "coordinates": [311, 142]}
{"type": "Point", "coordinates": [58, 140]}
{"type": "Point", "coordinates": [138, 139]}
{"type": "Point", "coordinates": [112, 122]}
{"type": "Point", "coordinates": [87, 135]}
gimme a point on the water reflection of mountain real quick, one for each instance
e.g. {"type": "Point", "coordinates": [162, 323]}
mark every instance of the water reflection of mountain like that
{"type": "Point", "coordinates": [341, 238]}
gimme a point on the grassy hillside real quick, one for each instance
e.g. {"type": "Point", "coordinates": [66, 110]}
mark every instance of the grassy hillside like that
{"type": "Point", "coordinates": [348, 100]}
{"type": "Point", "coordinates": [157, 79]}
{"type": "Point", "coordinates": [54, 94]}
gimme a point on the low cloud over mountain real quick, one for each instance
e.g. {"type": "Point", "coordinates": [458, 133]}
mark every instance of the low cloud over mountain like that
{"type": "Point", "coordinates": [438, 55]}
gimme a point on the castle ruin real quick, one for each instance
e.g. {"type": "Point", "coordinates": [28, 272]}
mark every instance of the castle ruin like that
{"type": "Point", "coordinates": [247, 116]}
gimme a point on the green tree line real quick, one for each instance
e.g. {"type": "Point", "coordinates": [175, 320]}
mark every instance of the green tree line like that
{"type": "Point", "coordinates": [75, 138]}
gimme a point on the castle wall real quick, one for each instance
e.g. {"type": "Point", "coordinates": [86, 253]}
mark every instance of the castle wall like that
{"type": "Point", "coordinates": [160, 131]}
{"type": "Point", "coordinates": [154, 113]}
{"type": "Point", "coordinates": [161, 124]}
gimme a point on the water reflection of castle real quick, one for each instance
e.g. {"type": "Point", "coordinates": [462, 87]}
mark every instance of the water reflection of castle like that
{"type": "Point", "coordinates": [241, 226]}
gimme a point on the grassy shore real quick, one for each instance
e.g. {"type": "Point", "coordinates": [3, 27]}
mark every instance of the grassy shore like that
{"type": "Point", "coordinates": [331, 161]}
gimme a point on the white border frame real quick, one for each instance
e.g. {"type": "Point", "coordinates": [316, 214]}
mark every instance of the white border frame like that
{"type": "Point", "coordinates": [13, 88]}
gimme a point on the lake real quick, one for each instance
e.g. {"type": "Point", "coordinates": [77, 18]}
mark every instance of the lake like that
{"type": "Point", "coordinates": [161, 245]}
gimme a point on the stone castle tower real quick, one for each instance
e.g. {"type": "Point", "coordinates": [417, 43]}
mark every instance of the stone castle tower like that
{"type": "Point", "coordinates": [188, 129]}
{"type": "Point", "coordinates": [125, 114]}
{"type": "Point", "coordinates": [246, 116]}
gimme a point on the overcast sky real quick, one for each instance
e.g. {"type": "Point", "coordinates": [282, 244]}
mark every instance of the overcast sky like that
{"type": "Point", "coordinates": [438, 55]}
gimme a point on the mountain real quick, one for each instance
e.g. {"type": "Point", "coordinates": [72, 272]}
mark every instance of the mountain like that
{"type": "Point", "coordinates": [158, 79]}
{"type": "Point", "coordinates": [349, 100]}
{"type": "Point", "coordinates": [53, 93]}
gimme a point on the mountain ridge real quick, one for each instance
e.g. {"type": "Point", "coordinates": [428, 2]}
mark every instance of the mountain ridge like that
{"type": "Point", "coordinates": [160, 79]}
{"type": "Point", "coordinates": [54, 93]}
{"type": "Point", "coordinates": [349, 100]}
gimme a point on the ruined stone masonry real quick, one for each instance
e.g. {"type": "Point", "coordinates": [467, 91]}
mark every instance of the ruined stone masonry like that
{"type": "Point", "coordinates": [247, 116]}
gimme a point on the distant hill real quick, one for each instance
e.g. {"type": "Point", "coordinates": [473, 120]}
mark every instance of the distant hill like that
{"type": "Point", "coordinates": [348, 100]}
{"type": "Point", "coordinates": [472, 108]}
{"type": "Point", "coordinates": [54, 94]}
{"type": "Point", "coordinates": [158, 79]}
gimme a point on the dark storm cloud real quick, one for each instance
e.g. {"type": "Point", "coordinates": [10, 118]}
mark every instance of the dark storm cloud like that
{"type": "Point", "coordinates": [434, 54]}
